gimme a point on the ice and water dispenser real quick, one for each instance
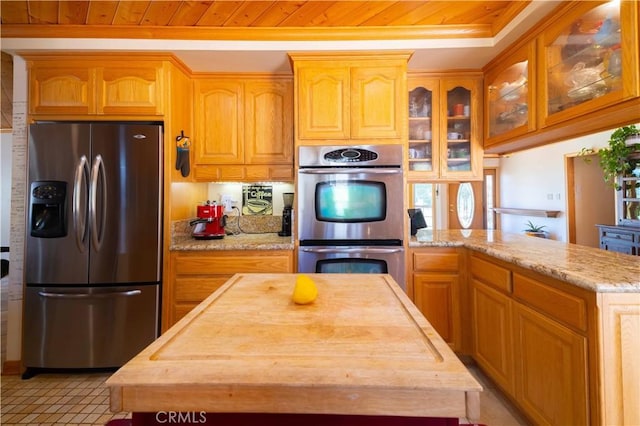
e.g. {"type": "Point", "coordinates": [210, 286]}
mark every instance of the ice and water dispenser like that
{"type": "Point", "coordinates": [48, 215]}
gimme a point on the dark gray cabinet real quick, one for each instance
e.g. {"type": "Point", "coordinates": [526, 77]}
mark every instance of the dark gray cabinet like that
{"type": "Point", "coordinates": [623, 239]}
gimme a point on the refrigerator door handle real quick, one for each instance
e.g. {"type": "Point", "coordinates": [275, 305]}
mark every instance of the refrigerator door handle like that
{"type": "Point", "coordinates": [98, 173]}
{"type": "Point", "coordinates": [79, 213]}
{"type": "Point", "coordinates": [88, 295]}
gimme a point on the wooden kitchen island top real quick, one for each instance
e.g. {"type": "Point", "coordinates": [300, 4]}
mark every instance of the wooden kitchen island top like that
{"type": "Point", "coordinates": [361, 348]}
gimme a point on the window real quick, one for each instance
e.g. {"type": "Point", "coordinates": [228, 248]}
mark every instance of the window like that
{"type": "Point", "coordinates": [423, 199]}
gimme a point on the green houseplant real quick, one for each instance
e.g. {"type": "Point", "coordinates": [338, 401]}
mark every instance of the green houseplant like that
{"type": "Point", "coordinates": [616, 159]}
{"type": "Point", "coordinates": [535, 230]}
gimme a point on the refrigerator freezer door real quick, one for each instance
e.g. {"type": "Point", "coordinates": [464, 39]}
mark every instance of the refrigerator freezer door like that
{"type": "Point", "coordinates": [56, 153]}
{"type": "Point", "coordinates": [126, 227]}
{"type": "Point", "coordinates": [75, 327]}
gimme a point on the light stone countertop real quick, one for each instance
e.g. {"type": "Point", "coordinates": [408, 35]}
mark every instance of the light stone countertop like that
{"type": "Point", "coordinates": [266, 241]}
{"type": "Point", "coordinates": [590, 268]}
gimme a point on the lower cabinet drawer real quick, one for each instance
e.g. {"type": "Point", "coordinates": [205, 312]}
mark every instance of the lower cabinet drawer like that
{"type": "Point", "coordinates": [565, 308]}
{"type": "Point", "coordinates": [196, 289]}
{"type": "Point", "coordinates": [440, 260]}
{"type": "Point", "coordinates": [491, 274]}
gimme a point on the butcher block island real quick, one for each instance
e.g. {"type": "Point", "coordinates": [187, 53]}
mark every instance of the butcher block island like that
{"type": "Point", "coordinates": [361, 348]}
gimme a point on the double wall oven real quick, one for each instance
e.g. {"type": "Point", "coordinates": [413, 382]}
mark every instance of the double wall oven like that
{"type": "Point", "coordinates": [350, 205]}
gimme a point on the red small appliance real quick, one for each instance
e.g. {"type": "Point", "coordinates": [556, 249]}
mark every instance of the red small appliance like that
{"type": "Point", "coordinates": [210, 222]}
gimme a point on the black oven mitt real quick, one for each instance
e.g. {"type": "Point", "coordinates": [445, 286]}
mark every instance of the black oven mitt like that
{"type": "Point", "coordinates": [182, 161]}
{"type": "Point", "coordinates": [182, 155]}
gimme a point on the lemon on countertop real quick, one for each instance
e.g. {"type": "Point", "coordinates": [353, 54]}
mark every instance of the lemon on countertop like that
{"type": "Point", "coordinates": [305, 290]}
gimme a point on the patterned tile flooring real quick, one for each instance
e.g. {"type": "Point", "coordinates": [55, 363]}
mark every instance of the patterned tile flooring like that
{"type": "Point", "coordinates": [83, 399]}
{"type": "Point", "coordinates": [56, 399]}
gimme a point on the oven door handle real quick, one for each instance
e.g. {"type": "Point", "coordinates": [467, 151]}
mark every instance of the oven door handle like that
{"type": "Point", "coordinates": [372, 250]}
{"type": "Point", "coordinates": [350, 171]}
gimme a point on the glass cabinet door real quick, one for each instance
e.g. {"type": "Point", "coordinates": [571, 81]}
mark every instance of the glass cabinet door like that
{"type": "Point", "coordinates": [585, 60]}
{"type": "Point", "coordinates": [509, 104]}
{"type": "Point", "coordinates": [422, 133]}
{"type": "Point", "coordinates": [458, 147]}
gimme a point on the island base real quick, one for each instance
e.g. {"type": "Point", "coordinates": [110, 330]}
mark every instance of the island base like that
{"type": "Point", "coordinates": [276, 419]}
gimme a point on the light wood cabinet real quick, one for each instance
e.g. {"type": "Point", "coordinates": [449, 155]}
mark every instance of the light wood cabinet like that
{"type": "Point", "coordinates": [588, 60]}
{"type": "Point", "coordinates": [194, 275]}
{"type": "Point", "coordinates": [436, 290]}
{"type": "Point", "coordinates": [491, 323]}
{"type": "Point", "coordinates": [59, 86]}
{"type": "Point", "coordinates": [445, 127]}
{"type": "Point", "coordinates": [531, 331]}
{"type": "Point", "coordinates": [350, 97]}
{"type": "Point", "coordinates": [551, 369]}
{"type": "Point", "coordinates": [509, 96]}
{"type": "Point", "coordinates": [585, 74]}
{"type": "Point", "coordinates": [243, 128]}
{"type": "Point", "coordinates": [219, 120]}
{"type": "Point", "coordinates": [618, 352]}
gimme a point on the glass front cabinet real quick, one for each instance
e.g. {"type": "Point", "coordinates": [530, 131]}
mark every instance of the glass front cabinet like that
{"type": "Point", "coordinates": [509, 101]}
{"type": "Point", "coordinates": [588, 60]}
{"type": "Point", "coordinates": [444, 126]}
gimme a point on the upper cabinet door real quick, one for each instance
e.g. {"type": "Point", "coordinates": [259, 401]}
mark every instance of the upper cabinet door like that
{"type": "Point", "coordinates": [323, 102]}
{"type": "Point", "coordinates": [130, 89]}
{"type": "Point", "coordinates": [269, 122]}
{"type": "Point", "coordinates": [509, 96]}
{"type": "Point", "coordinates": [460, 127]}
{"type": "Point", "coordinates": [219, 137]}
{"type": "Point", "coordinates": [377, 102]}
{"type": "Point", "coordinates": [55, 88]}
{"type": "Point", "coordinates": [588, 60]}
{"type": "Point", "coordinates": [354, 96]}
{"type": "Point", "coordinates": [424, 116]}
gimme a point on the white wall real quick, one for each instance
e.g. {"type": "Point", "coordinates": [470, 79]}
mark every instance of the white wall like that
{"type": "Point", "coordinates": [536, 179]}
{"type": "Point", "coordinates": [5, 187]}
{"type": "Point", "coordinates": [19, 184]}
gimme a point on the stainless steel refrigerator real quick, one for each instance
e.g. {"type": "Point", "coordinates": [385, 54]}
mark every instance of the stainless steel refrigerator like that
{"type": "Point", "coordinates": [93, 244]}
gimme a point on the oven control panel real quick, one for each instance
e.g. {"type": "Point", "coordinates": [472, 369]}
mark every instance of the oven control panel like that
{"type": "Point", "coordinates": [351, 155]}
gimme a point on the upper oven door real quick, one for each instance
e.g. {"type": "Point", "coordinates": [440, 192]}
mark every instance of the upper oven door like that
{"type": "Point", "coordinates": [350, 204]}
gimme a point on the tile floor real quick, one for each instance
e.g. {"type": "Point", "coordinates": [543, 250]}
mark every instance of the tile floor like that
{"type": "Point", "coordinates": [82, 399]}
{"type": "Point", "coordinates": [56, 399]}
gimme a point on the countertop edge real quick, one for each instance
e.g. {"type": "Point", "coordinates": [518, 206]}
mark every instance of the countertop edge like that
{"type": "Point", "coordinates": [580, 276]}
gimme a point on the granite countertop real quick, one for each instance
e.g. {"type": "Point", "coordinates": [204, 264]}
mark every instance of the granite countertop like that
{"type": "Point", "coordinates": [263, 241]}
{"type": "Point", "coordinates": [590, 268]}
{"type": "Point", "coordinates": [243, 233]}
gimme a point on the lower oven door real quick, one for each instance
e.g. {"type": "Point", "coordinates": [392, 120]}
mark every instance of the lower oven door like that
{"type": "Point", "coordinates": [355, 260]}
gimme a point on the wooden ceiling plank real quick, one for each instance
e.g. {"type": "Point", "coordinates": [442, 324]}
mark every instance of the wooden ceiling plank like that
{"type": "Point", "coordinates": [218, 13]}
{"type": "Point", "coordinates": [14, 12]}
{"type": "Point", "coordinates": [73, 12]}
{"type": "Point", "coordinates": [101, 12]}
{"type": "Point", "coordinates": [358, 15]}
{"type": "Point", "coordinates": [43, 12]}
{"type": "Point", "coordinates": [189, 13]}
{"type": "Point", "coordinates": [395, 13]}
{"type": "Point", "coordinates": [277, 12]}
{"type": "Point", "coordinates": [130, 12]}
{"type": "Point", "coordinates": [508, 14]}
{"type": "Point", "coordinates": [305, 14]}
{"type": "Point", "coordinates": [338, 9]}
{"type": "Point", "coordinates": [437, 13]}
{"type": "Point", "coordinates": [160, 12]}
{"type": "Point", "coordinates": [247, 13]}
